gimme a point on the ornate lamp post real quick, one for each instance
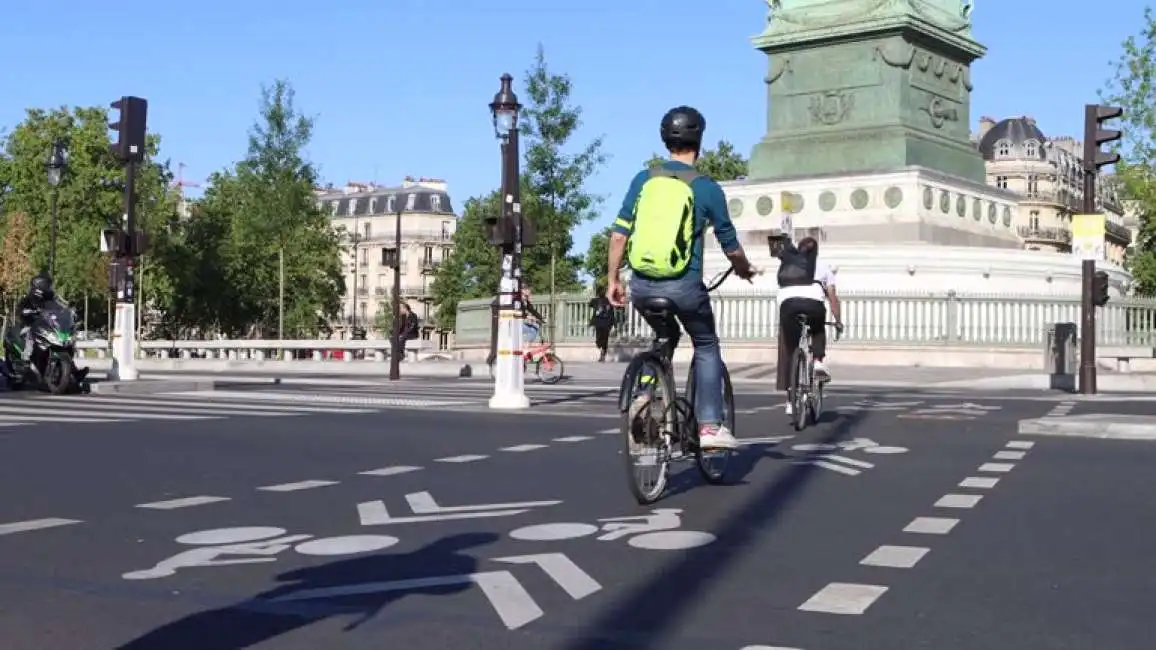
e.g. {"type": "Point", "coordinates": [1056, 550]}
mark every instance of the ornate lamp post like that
{"type": "Point", "coordinates": [509, 380]}
{"type": "Point", "coordinates": [397, 346]}
{"type": "Point", "coordinates": [56, 165]}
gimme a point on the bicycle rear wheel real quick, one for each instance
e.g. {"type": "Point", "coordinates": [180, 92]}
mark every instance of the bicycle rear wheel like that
{"type": "Point", "coordinates": [549, 368]}
{"type": "Point", "coordinates": [646, 445]}
{"type": "Point", "coordinates": [713, 463]}
{"type": "Point", "coordinates": [800, 388]}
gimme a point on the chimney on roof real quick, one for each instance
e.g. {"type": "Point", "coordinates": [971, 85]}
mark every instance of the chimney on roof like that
{"type": "Point", "coordinates": [985, 125]}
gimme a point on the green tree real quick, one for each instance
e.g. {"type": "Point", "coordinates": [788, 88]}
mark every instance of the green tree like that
{"type": "Point", "coordinates": [17, 267]}
{"type": "Point", "coordinates": [555, 177]}
{"type": "Point", "coordinates": [597, 258]}
{"type": "Point", "coordinates": [91, 195]}
{"type": "Point", "coordinates": [722, 163]}
{"type": "Point", "coordinates": [252, 215]}
{"type": "Point", "coordinates": [553, 198]}
{"type": "Point", "coordinates": [383, 318]}
{"type": "Point", "coordinates": [1133, 87]}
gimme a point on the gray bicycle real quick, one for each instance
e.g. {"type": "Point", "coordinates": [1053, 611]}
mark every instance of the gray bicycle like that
{"type": "Point", "coordinates": [803, 392]}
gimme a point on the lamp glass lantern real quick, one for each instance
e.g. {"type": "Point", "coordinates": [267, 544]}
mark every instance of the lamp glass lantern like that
{"type": "Point", "coordinates": [57, 162]}
{"type": "Point", "coordinates": [505, 108]}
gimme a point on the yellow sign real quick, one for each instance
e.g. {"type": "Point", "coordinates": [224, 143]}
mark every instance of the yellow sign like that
{"type": "Point", "coordinates": [1088, 236]}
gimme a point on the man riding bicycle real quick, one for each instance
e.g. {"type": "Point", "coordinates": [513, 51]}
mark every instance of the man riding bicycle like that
{"type": "Point", "coordinates": [659, 230]}
{"type": "Point", "coordinates": [804, 282]}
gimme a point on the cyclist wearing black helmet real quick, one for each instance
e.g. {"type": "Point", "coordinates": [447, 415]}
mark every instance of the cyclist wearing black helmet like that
{"type": "Point", "coordinates": [659, 232]}
{"type": "Point", "coordinates": [39, 293]}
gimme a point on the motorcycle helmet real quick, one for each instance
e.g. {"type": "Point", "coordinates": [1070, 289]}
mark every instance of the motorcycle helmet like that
{"type": "Point", "coordinates": [41, 287]}
{"type": "Point", "coordinates": [682, 129]}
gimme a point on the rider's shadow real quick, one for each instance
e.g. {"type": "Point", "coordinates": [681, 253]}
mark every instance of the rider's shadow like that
{"type": "Point", "coordinates": [262, 618]}
{"type": "Point", "coordinates": [826, 429]}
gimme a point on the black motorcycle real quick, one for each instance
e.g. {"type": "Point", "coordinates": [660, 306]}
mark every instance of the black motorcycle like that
{"type": "Point", "coordinates": [52, 365]}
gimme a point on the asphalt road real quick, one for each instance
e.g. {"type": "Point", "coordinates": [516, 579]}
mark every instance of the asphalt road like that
{"type": "Point", "coordinates": [374, 521]}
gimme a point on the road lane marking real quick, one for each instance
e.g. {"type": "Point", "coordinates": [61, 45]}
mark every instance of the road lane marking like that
{"type": "Point", "coordinates": [895, 557]}
{"type": "Point", "coordinates": [931, 525]}
{"type": "Point", "coordinates": [1009, 455]}
{"type": "Point", "coordinates": [294, 487]}
{"type": "Point", "coordinates": [843, 598]}
{"type": "Point", "coordinates": [521, 448]}
{"type": "Point", "coordinates": [468, 458]}
{"type": "Point", "coordinates": [188, 502]}
{"type": "Point", "coordinates": [1020, 444]}
{"type": "Point", "coordinates": [996, 467]}
{"type": "Point", "coordinates": [35, 524]}
{"type": "Point", "coordinates": [573, 438]}
{"type": "Point", "coordinates": [958, 501]}
{"type": "Point", "coordinates": [979, 482]}
{"type": "Point", "coordinates": [391, 471]}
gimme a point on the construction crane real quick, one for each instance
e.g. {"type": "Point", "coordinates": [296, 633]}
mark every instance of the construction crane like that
{"type": "Point", "coordinates": [180, 184]}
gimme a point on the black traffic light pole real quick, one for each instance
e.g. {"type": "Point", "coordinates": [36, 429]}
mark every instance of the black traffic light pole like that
{"type": "Point", "coordinates": [397, 345]}
{"type": "Point", "coordinates": [129, 149]}
{"type": "Point", "coordinates": [1094, 159]}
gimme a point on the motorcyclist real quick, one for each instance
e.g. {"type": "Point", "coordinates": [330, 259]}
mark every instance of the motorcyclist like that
{"type": "Point", "coordinates": [39, 294]}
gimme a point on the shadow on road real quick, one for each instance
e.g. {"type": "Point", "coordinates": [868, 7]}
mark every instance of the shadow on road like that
{"type": "Point", "coordinates": [261, 618]}
{"type": "Point", "coordinates": [644, 617]}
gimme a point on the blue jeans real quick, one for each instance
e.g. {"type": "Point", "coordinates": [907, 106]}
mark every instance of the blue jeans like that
{"type": "Point", "coordinates": [690, 297]}
{"type": "Point", "coordinates": [529, 333]}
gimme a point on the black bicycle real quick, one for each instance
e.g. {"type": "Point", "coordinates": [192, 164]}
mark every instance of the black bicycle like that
{"type": "Point", "coordinates": [659, 426]}
{"type": "Point", "coordinates": [803, 393]}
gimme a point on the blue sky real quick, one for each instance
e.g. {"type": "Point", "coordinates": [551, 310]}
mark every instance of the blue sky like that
{"type": "Point", "coordinates": [400, 87]}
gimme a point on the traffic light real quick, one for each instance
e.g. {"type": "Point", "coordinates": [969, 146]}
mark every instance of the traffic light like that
{"type": "Point", "coordinates": [1095, 137]}
{"type": "Point", "coordinates": [131, 128]}
{"type": "Point", "coordinates": [1100, 289]}
{"type": "Point", "coordinates": [496, 232]}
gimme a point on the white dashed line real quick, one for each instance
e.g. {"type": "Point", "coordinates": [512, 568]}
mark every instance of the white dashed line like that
{"type": "Point", "coordinates": [35, 524]}
{"type": "Point", "coordinates": [843, 598]}
{"type": "Point", "coordinates": [768, 647]}
{"type": "Point", "coordinates": [188, 502]}
{"type": "Point", "coordinates": [1020, 444]}
{"type": "Point", "coordinates": [895, 557]}
{"type": "Point", "coordinates": [1001, 468]}
{"type": "Point", "coordinates": [573, 438]}
{"type": "Point", "coordinates": [958, 501]}
{"type": "Point", "coordinates": [294, 487]}
{"type": "Point", "coordinates": [390, 471]}
{"type": "Point", "coordinates": [468, 458]}
{"type": "Point", "coordinates": [607, 432]}
{"type": "Point", "coordinates": [1009, 455]}
{"type": "Point", "coordinates": [979, 482]}
{"type": "Point", "coordinates": [520, 448]}
{"type": "Point", "coordinates": [931, 525]}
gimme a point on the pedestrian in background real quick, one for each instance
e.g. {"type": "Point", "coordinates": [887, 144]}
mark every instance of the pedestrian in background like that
{"type": "Point", "coordinates": [602, 320]}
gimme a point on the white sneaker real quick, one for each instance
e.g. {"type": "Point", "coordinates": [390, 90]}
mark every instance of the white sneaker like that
{"type": "Point", "coordinates": [789, 409]}
{"type": "Point", "coordinates": [822, 372]}
{"type": "Point", "coordinates": [716, 437]}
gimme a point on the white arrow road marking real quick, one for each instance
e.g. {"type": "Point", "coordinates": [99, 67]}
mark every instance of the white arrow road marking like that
{"type": "Point", "coordinates": [831, 466]}
{"type": "Point", "coordinates": [423, 503]}
{"type": "Point", "coordinates": [561, 569]}
{"type": "Point", "coordinates": [848, 461]}
{"type": "Point", "coordinates": [374, 513]}
{"type": "Point", "coordinates": [510, 600]}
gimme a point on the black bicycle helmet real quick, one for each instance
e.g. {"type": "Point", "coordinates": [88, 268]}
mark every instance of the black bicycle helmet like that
{"type": "Point", "coordinates": [41, 286]}
{"type": "Point", "coordinates": [682, 128]}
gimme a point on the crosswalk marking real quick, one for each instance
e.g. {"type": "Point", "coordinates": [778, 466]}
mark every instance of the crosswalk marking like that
{"type": "Point", "coordinates": [291, 396]}
{"type": "Point", "coordinates": [35, 524]}
{"type": "Point", "coordinates": [207, 399]}
{"type": "Point", "coordinates": [40, 412]}
{"type": "Point", "coordinates": [187, 502]}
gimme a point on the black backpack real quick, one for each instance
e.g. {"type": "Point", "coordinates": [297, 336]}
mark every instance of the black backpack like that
{"type": "Point", "coordinates": [795, 268]}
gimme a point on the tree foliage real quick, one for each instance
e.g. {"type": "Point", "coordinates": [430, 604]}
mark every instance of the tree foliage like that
{"type": "Point", "coordinates": [1133, 87]}
{"type": "Point", "coordinates": [17, 267]}
{"type": "Point", "coordinates": [553, 197]}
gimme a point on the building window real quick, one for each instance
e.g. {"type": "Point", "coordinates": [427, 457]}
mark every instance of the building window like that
{"type": "Point", "coordinates": [429, 254]}
{"type": "Point", "coordinates": [1034, 221]}
{"type": "Point", "coordinates": [435, 203]}
{"type": "Point", "coordinates": [447, 230]}
{"type": "Point", "coordinates": [410, 199]}
{"type": "Point", "coordinates": [363, 310]}
{"type": "Point", "coordinates": [1031, 148]}
{"type": "Point", "coordinates": [1003, 148]}
{"type": "Point", "coordinates": [367, 229]}
{"type": "Point", "coordinates": [383, 280]}
{"type": "Point", "coordinates": [1033, 185]}
{"type": "Point", "coordinates": [364, 256]}
{"type": "Point", "coordinates": [1001, 182]}
{"type": "Point", "coordinates": [392, 201]}
{"type": "Point", "coordinates": [361, 289]}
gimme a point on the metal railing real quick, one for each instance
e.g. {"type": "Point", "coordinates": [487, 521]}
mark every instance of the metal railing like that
{"type": "Point", "coordinates": [1053, 235]}
{"type": "Point", "coordinates": [931, 319]}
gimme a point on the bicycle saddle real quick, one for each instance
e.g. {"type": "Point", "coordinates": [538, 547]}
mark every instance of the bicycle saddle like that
{"type": "Point", "coordinates": [656, 306]}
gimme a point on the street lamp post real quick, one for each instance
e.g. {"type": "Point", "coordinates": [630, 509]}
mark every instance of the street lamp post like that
{"type": "Point", "coordinates": [509, 379]}
{"type": "Point", "coordinates": [57, 163]}
{"type": "Point", "coordinates": [396, 347]}
{"type": "Point", "coordinates": [355, 239]}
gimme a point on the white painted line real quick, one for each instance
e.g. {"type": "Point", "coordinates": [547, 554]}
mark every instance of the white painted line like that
{"type": "Point", "coordinates": [17, 420]}
{"type": "Point", "coordinates": [607, 432]}
{"type": "Point", "coordinates": [121, 414]}
{"type": "Point", "coordinates": [764, 440]}
{"type": "Point", "coordinates": [958, 501]}
{"type": "Point", "coordinates": [520, 448]}
{"type": "Point", "coordinates": [181, 503]}
{"type": "Point", "coordinates": [208, 399]}
{"type": "Point", "coordinates": [423, 503]}
{"type": "Point", "coordinates": [1020, 444]}
{"type": "Point", "coordinates": [391, 471]}
{"type": "Point", "coordinates": [1010, 455]}
{"type": "Point", "coordinates": [843, 598]}
{"type": "Point", "coordinates": [831, 466]}
{"type": "Point", "coordinates": [1001, 468]}
{"type": "Point", "coordinates": [374, 513]}
{"type": "Point", "coordinates": [35, 524]}
{"type": "Point", "coordinates": [573, 438]}
{"type": "Point", "coordinates": [895, 557]}
{"type": "Point", "coordinates": [570, 577]}
{"type": "Point", "coordinates": [848, 461]}
{"type": "Point", "coordinates": [767, 647]}
{"type": "Point", "coordinates": [931, 525]}
{"type": "Point", "coordinates": [311, 398]}
{"type": "Point", "coordinates": [980, 482]}
{"type": "Point", "coordinates": [468, 458]}
{"type": "Point", "coordinates": [294, 487]}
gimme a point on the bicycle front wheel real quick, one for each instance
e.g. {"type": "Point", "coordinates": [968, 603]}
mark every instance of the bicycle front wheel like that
{"type": "Point", "coordinates": [549, 368]}
{"type": "Point", "coordinates": [713, 463]}
{"type": "Point", "coordinates": [644, 431]}
{"type": "Point", "coordinates": [800, 387]}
